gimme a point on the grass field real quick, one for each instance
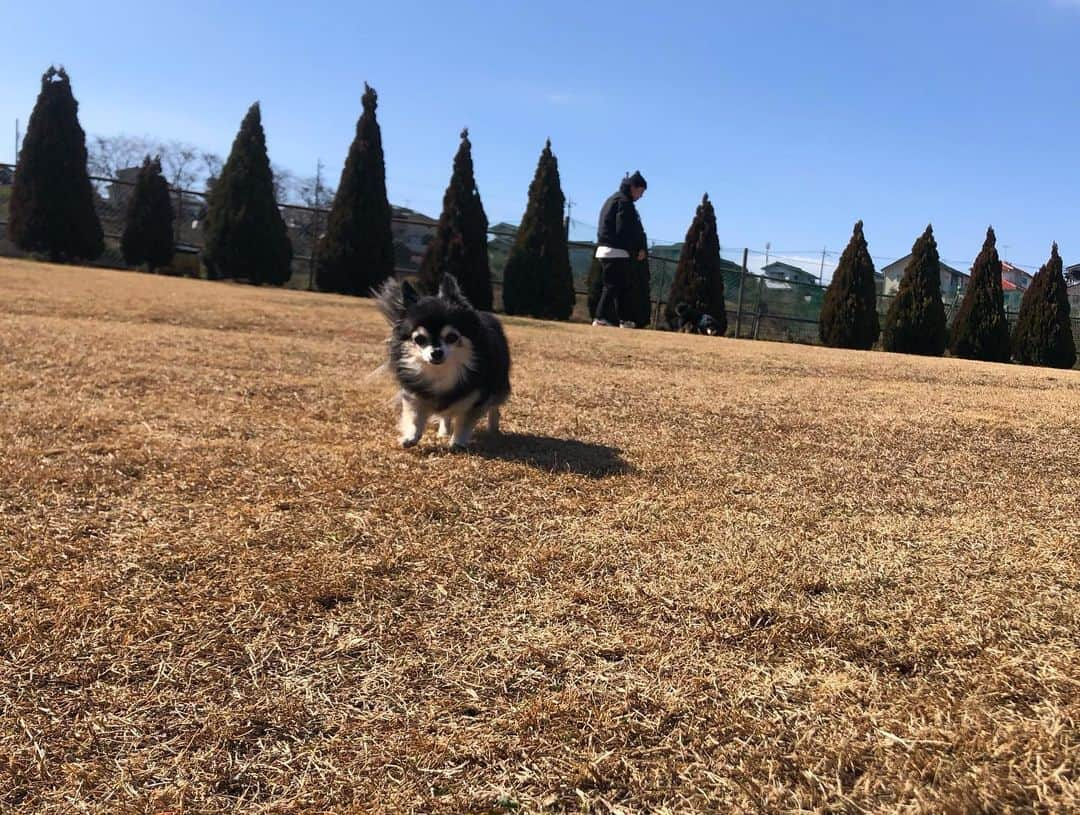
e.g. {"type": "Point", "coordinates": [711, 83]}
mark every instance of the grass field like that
{"type": "Point", "coordinates": [697, 575]}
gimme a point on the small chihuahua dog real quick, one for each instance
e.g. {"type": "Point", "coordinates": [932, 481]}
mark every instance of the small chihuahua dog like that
{"type": "Point", "coordinates": [451, 361]}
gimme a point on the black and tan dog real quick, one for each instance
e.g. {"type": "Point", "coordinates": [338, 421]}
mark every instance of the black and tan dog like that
{"type": "Point", "coordinates": [692, 321]}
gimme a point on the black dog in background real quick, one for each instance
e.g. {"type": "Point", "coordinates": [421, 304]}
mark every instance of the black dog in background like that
{"type": "Point", "coordinates": [692, 321]}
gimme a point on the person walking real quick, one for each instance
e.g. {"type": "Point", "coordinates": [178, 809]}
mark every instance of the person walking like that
{"type": "Point", "coordinates": [620, 239]}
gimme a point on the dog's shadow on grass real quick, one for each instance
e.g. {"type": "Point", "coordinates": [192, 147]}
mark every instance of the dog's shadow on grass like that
{"type": "Point", "coordinates": [551, 454]}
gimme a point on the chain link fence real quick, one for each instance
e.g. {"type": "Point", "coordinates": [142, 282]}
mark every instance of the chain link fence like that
{"type": "Point", "coordinates": [768, 296]}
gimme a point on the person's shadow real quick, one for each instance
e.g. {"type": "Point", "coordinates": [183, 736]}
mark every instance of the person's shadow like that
{"type": "Point", "coordinates": [551, 454]}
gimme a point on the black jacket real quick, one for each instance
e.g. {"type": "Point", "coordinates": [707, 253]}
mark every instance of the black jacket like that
{"type": "Point", "coordinates": [620, 226]}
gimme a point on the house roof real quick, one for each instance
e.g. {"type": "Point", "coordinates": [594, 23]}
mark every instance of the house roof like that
{"type": "Point", "coordinates": [1008, 285]}
{"type": "Point", "coordinates": [411, 215]}
{"type": "Point", "coordinates": [1008, 267]}
{"type": "Point", "coordinates": [899, 265]}
{"type": "Point", "coordinates": [779, 264]}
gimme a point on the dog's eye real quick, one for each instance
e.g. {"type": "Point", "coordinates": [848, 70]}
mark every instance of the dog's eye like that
{"type": "Point", "coordinates": [420, 340]}
{"type": "Point", "coordinates": [452, 337]}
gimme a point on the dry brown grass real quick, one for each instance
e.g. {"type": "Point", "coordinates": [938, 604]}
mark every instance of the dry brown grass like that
{"type": "Point", "coordinates": [699, 575]}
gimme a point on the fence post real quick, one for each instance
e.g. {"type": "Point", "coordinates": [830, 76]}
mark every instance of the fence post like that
{"type": "Point", "coordinates": [742, 285]}
{"type": "Point", "coordinates": [757, 306]}
{"type": "Point", "coordinates": [179, 218]}
{"type": "Point", "coordinates": [663, 288]}
{"type": "Point", "coordinates": [313, 251]}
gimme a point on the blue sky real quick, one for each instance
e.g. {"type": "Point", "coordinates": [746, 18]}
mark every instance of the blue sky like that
{"type": "Point", "coordinates": [796, 117]}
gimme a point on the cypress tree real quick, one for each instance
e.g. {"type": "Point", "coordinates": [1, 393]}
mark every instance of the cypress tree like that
{"type": "Point", "coordinates": [980, 330]}
{"type": "Point", "coordinates": [52, 202]}
{"type": "Point", "coordinates": [460, 242]}
{"type": "Point", "coordinates": [148, 236]}
{"type": "Point", "coordinates": [246, 238]}
{"type": "Point", "coordinates": [915, 322]}
{"type": "Point", "coordinates": [699, 278]}
{"type": "Point", "coordinates": [1043, 333]}
{"type": "Point", "coordinates": [538, 280]}
{"type": "Point", "coordinates": [849, 317]}
{"type": "Point", "coordinates": [357, 254]}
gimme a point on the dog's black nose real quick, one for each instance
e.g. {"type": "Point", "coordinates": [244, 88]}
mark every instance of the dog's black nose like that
{"type": "Point", "coordinates": [437, 355]}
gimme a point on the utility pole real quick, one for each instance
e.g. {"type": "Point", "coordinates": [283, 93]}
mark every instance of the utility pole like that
{"type": "Point", "coordinates": [315, 226]}
{"type": "Point", "coordinates": [569, 207]}
{"type": "Point", "coordinates": [16, 141]}
{"type": "Point", "coordinates": [768, 246]}
{"type": "Point", "coordinates": [821, 272]}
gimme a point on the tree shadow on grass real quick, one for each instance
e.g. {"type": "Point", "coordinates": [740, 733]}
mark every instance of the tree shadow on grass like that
{"type": "Point", "coordinates": [551, 454]}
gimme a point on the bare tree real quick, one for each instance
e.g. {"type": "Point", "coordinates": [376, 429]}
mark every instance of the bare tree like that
{"type": "Point", "coordinates": [183, 164]}
{"type": "Point", "coordinates": [212, 164]}
{"type": "Point", "coordinates": [314, 192]}
{"type": "Point", "coordinates": [107, 155]}
{"type": "Point", "coordinates": [284, 184]}
{"type": "Point", "coordinates": [179, 161]}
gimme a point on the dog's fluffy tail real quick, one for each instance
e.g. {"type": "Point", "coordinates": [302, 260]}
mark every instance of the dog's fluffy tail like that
{"type": "Point", "coordinates": [390, 299]}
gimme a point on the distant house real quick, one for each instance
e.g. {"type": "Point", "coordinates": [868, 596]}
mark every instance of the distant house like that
{"type": "Point", "coordinates": [121, 188]}
{"type": "Point", "coordinates": [788, 273]}
{"type": "Point", "coordinates": [1072, 273]}
{"type": "Point", "coordinates": [501, 237]}
{"type": "Point", "coordinates": [412, 231]}
{"type": "Point", "coordinates": [1014, 282]}
{"type": "Point", "coordinates": [1014, 278]}
{"type": "Point", "coordinates": [952, 280]}
{"type": "Point", "coordinates": [7, 176]}
{"type": "Point", "coordinates": [1074, 300]}
{"type": "Point", "coordinates": [502, 234]}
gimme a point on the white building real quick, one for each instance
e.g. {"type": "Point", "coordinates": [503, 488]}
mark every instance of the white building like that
{"type": "Point", "coordinates": [952, 280]}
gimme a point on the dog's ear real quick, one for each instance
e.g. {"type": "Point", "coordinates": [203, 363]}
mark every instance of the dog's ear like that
{"type": "Point", "coordinates": [450, 290]}
{"type": "Point", "coordinates": [394, 298]}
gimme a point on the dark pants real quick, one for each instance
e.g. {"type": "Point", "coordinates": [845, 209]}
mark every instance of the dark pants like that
{"type": "Point", "coordinates": [616, 295]}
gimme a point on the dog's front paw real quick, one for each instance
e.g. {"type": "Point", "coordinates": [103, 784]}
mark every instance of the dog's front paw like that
{"type": "Point", "coordinates": [409, 441]}
{"type": "Point", "coordinates": [459, 447]}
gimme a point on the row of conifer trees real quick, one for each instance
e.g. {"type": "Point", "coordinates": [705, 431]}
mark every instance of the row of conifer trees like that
{"type": "Point", "coordinates": [915, 322]}
{"type": "Point", "coordinates": [52, 212]}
